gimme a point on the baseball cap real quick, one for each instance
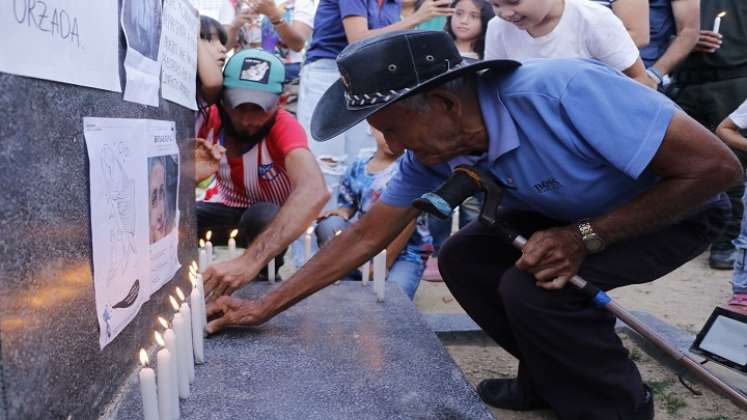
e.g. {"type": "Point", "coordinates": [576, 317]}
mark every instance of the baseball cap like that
{"type": "Point", "coordinates": [253, 76]}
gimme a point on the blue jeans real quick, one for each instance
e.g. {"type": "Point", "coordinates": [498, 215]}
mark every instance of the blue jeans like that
{"type": "Point", "coordinates": [739, 278]}
{"type": "Point", "coordinates": [406, 274]}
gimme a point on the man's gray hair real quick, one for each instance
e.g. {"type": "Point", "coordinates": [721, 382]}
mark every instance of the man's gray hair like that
{"type": "Point", "coordinates": [460, 86]}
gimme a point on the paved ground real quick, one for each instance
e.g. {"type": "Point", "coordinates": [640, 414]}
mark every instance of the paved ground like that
{"type": "Point", "coordinates": [684, 298]}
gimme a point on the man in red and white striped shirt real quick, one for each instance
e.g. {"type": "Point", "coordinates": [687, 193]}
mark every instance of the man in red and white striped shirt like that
{"type": "Point", "coordinates": [267, 183]}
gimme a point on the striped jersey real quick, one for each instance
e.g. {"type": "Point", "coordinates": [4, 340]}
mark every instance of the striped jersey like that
{"type": "Point", "coordinates": [259, 175]}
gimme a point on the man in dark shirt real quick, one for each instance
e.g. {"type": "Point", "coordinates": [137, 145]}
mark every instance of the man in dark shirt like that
{"type": "Point", "coordinates": [710, 84]}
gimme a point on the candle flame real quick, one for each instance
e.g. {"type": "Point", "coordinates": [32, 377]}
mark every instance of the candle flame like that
{"type": "Point", "coordinates": [163, 322]}
{"type": "Point", "coordinates": [722, 14]}
{"type": "Point", "coordinates": [143, 358]}
{"type": "Point", "coordinates": [159, 339]}
{"type": "Point", "coordinates": [209, 235]}
{"type": "Point", "coordinates": [234, 233]}
{"type": "Point", "coordinates": [180, 294]}
{"type": "Point", "coordinates": [174, 303]}
{"type": "Point", "coordinates": [310, 230]}
{"type": "Point", "coordinates": [202, 243]}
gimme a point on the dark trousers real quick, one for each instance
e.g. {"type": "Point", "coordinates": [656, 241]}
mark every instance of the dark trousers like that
{"type": "Point", "coordinates": [568, 350]}
{"type": "Point", "coordinates": [709, 103]}
{"type": "Point", "coordinates": [250, 222]}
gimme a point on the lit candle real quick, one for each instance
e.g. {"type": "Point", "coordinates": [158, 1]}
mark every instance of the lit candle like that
{"type": "Point", "coordinates": [203, 257]}
{"type": "Point", "coordinates": [169, 337]}
{"type": "Point", "coordinates": [198, 314]}
{"type": "Point", "coordinates": [197, 278]}
{"type": "Point", "coordinates": [209, 246]}
{"type": "Point", "coordinates": [187, 314]}
{"type": "Point", "coordinates": [336, 235]}
{"type": "Point", "coordinates": [365, 272]}
{"type": "Point", "coordinates": [232, 243]}
{"type": "Point", "coordinates": [167, 393]}
{"type": "Point", "coordinates": [717, 22]}
{"type": "Point", "coordinates": [379, 273]}
{"type": "Point", "coordinates": [182, 359]}
{"type": "Point", "coordinates": [307, 244]}
{"type": "Point", "coordinates": [148, 388]}
{"type": "Point", "coordinates": [455, 221]}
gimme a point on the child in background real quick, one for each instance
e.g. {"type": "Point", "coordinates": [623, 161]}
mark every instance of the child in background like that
{"type": "Point", "coordinates": [360, 188]}
{"type": "Point", "coordinates": [528, 29]}
{"type": "Point", "coordinates": [211, 56]}
{"type": "Point", "coordinates": [729, 132]}
{"type": "Point", "coordinates": [468, 25]}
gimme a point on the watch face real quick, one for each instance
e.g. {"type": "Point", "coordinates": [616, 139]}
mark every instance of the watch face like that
{"type": "Point", "coordinates": [594, 243]}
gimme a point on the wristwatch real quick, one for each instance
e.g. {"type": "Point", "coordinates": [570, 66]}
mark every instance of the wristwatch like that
{"type": "Point", "coordinates": [655, 74]}
{"type": "Point", "coordinates": [592, 242]}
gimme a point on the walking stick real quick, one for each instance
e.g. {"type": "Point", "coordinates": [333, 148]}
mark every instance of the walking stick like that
{"type": "Point", "coordinates": [467, 181]}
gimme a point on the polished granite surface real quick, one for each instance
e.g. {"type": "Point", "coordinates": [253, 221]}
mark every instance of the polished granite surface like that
{"type": "Point", "coordinates": [52, 367]}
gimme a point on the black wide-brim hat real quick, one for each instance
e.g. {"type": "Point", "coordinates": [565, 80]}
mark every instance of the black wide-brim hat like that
{"type": "Point", "coordinates": [381, 70]}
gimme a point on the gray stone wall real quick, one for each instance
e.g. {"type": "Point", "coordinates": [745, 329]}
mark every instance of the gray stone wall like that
{"type": "Point", "coordinates": [50, 362]}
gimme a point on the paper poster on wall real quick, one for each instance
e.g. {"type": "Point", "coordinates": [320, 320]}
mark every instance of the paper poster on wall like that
{"type": "Point", "coordinates": [141, 23]}
{"type": "Point", "coordinates": [163, 196]}
{"type": "Point", "coordinates": [67, 41]}
{"type": "Point", "coordinates": [179, 33]}
{"type": "Point", "coordinates": [134, 178]}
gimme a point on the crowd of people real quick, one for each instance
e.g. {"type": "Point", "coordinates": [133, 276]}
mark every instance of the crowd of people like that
{"type": "Point", "coordinates": [663, 44]}
{"type": "Point", "coordinates": [581, 91]}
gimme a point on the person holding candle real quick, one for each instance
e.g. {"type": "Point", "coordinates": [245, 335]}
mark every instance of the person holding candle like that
{"type": "Point", "coordinates": [360, 188]}
{"type": "Point", "coordinates": [595, 196]}
{"type": "Point", "coordinates": [268, 183]}
{"type": "Point", "coordinates": [709, 85]}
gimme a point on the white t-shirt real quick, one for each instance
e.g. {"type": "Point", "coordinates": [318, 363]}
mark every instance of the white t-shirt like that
{"type": "Point", "coordinates": [585, 30]}
{"type": "Point", "coordinates": [739, 117]}
{"type": "Point", "coordinates": [295, 10]}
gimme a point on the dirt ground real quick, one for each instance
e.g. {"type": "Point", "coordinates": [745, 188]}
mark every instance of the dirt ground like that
{"type": "Point", "coordinates": [684, 298]}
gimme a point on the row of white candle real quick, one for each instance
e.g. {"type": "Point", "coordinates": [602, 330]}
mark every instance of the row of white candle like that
{"type": "Point", "coordinates": [181, 346]}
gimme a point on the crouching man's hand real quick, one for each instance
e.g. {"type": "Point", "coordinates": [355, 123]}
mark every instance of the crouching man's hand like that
{"type": "Point", "coordinates": [225, 277]}
{"type": "Point", "coordinates": [229, 311]}
{"type": "Point", "coordinates": [553, 256]}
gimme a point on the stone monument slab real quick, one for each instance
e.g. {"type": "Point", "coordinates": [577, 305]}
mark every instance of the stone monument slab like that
{"type": "Point", "coordinates": [337, 355]}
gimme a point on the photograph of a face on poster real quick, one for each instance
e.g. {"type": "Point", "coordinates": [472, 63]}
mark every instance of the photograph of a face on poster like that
{"type": "Point", "coordinates": [163, 181]}
{"type": "Point", "coordinates": [142, 25]}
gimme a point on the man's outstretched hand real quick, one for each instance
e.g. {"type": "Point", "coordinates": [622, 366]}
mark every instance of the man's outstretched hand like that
{"type": "Point", "coordinates": [553, 256]}
{"type": "Point", "coordinates": [225, 277]}
{"type": "Point", "coordinates": [229, 311]}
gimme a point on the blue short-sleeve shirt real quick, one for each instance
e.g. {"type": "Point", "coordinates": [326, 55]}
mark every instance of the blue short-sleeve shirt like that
{"type": "Point", "coordinates": [570, 138]}
{"type": "Point", "coordinates": [328, 38]}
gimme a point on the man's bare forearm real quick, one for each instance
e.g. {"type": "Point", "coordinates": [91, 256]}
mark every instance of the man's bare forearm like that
{"type": "Point", "coordinates": [678, 50]}
{"type": "Point", "coordinates": [693, 166]}
{"type": "Point", "coordinates": [295, 216]}
{"type": "Point", "coordinates": [349, 250]}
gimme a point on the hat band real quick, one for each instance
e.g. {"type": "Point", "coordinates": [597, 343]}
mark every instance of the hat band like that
{"type": "Point", "coordinates": [366, 100]}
